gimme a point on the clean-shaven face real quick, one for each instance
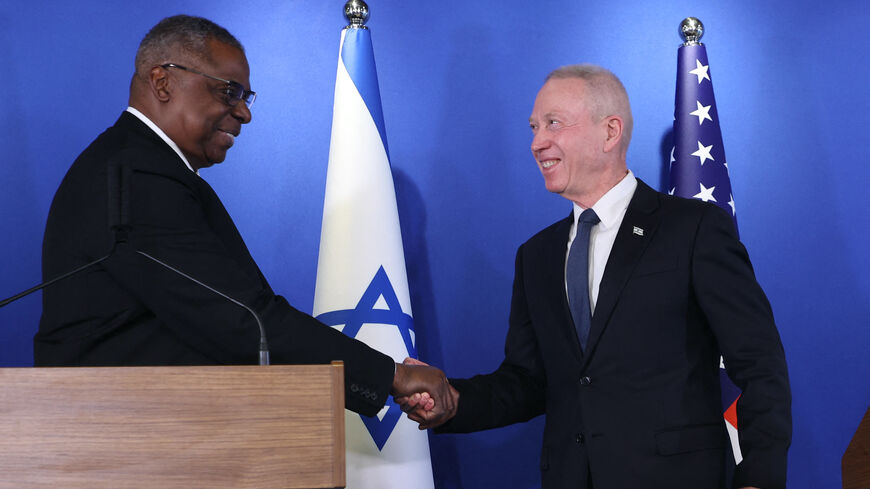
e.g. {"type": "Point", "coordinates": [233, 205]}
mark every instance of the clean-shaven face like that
{"type": "Point", "coordinates": [568, 142]}
{"type": "Point", "coordinates": [208, 124]}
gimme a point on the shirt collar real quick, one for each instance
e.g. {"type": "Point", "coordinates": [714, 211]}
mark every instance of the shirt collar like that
{"type": "Point", "coordinates": [611, 206]}
{"type": "Point", "coordinates": [162, 135]}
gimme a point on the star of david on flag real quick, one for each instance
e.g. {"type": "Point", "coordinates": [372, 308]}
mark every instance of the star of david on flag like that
{"type": "Point", "coordinates": [699, 170]}
{"type": "Point", "coordinates": [362, 285]}
{"type": "Point", "coordinates": [378, 306]}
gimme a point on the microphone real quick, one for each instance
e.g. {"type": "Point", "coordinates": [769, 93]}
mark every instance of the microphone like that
{"type": "Point", "coordinates": [55, 279]}
{"type": "Point", "coordinates": [264, 347]}
{"type": "Point", "coordinates": [117, 181]}
{"type": "Point", "coordinates": [119, 178]}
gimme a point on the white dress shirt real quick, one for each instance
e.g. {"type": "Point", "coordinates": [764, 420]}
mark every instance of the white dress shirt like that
{"type": "Point", "coordinates": [610, 208]}
{"type": "Point", "coordinates": [162, 135]}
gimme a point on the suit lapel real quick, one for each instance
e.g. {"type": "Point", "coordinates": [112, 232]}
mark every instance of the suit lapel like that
{"type": "Point", "coordinates": [624, 256]}
{"type": "Point", "coordinates": [218, 218]}
{"type": "Point", "coordinates": [223, 226]}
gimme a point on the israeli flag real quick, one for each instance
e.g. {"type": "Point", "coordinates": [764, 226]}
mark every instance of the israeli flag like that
{"type": "Point", "coordinates": [362, 285]}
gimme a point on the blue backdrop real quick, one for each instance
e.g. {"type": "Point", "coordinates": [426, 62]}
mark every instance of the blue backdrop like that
{"type": "Point", "coordinates": [458, 80]}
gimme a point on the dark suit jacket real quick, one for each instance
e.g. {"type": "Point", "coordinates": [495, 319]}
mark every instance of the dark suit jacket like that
{"type": "Point", "coordinates": [642, 407]}
{"type": "Point", "coordinates": [131, 311]}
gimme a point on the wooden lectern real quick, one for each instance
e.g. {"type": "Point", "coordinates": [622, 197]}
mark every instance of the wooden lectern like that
{"type": "Point", "coordinates": [856, 460]}
{"type": "Point", "coordinates": [172, 427]}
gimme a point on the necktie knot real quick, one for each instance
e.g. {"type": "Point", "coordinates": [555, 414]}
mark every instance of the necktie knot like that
{"type": "Point", "coordinates": [589, 216]}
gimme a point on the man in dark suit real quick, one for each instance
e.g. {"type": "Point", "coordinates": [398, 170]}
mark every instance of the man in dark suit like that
{"type": "Point", "coordinates": [189, 98]}
{"type": "Point", "coordinates": [618, 318]}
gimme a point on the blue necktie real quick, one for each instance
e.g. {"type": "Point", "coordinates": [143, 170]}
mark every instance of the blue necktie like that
{"type": "Point", "coordinates": [577, 273]}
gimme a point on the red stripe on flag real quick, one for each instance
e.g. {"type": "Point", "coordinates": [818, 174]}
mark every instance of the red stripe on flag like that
{"type": "Point", "coordinates": [731, 413]}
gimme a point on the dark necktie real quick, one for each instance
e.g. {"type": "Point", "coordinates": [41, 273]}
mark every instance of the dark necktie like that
{"type": "Point", "coordinates": [577, 273]}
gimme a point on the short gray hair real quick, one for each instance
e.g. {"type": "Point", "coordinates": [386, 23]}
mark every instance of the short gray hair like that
{"type": "Point", "coordinates": [180, 32]}
{"type": "Point", "coordinates": [606, 94]}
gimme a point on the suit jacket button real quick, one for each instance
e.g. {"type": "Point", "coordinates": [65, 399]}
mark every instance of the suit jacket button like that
{"type": "Point", "coordinates": [578, 438]}
{"type": "Point", "coordinates": [585, 380]}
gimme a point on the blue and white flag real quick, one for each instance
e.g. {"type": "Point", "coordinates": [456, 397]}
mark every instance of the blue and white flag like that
{"type": "Point", "coordinates": [699, 170]}
{"type": "Point", "coordinates": [362, 285]}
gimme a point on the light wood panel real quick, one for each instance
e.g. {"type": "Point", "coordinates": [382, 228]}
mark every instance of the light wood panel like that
{"type": "Point", "coordinates": [172, 427]}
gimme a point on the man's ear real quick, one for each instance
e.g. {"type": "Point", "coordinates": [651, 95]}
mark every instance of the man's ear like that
{"type": "Point", "coordinates": [614, 132]}
{"type": "Point", "coordinates": [159, 84]}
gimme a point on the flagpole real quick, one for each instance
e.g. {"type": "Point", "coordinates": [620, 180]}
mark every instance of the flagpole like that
{"type": "Point", "coordinates": [691, 29]}
{"type": "Point", "coordinates": [357, 13]}
{"type": "Point", "coordinates": [699, 169]}
{"type": "Point", "coordinates": [362, 286]}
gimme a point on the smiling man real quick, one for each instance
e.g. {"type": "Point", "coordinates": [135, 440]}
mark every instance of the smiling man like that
{"type": "Point", "coordinates": [137, 188]}
{"type": "Point", "coordinates": [619, 315]}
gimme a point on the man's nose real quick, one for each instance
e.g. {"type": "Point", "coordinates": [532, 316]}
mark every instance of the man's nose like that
{"type": "Point", "coordinates": [539, 141]}
{"type": "Point", "coordinates": [242, 112]}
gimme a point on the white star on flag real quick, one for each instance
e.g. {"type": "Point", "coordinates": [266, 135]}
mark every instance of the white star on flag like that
{"type": "Point", "coordinates": [706, 194]}
{"type": "Point", "coordinates": [704, 153]}
{"type": "Point", "coordinates": [733, 207]}
{"type": "Point", "coordinates": [700, 71]}
{"type": "Point", "coordinates": [671, 163]}
{"type": "Point", "coordinates": [702, 113]}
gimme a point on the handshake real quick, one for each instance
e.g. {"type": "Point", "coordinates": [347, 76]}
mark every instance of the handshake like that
{"type": "Point", "coordinates": [424, 393]}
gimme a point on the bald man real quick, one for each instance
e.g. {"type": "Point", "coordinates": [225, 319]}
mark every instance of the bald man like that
{"type": "Point", "coordinates": [619, 315]}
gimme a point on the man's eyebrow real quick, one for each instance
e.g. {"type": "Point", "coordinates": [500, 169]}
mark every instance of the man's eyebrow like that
{"type": "Point", "coordinates": [548, 115]}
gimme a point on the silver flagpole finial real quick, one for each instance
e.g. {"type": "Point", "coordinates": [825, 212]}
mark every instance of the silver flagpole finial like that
{"type": "Point", "coordinates": [691, 29]}
{"type": "Point", "coordinates": [357, 13]}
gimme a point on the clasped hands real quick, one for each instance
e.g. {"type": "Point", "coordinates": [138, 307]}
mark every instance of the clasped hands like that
{"type": "Point", "coordinates": [424, 393]}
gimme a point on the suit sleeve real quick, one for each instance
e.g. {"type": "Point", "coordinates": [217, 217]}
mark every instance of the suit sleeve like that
{"type": "Point", "coordinates": [515, 392]}
{"type": "Point", "coordinates": [742, 321]}
{"type": "Point", "coordinates": [169, 223]}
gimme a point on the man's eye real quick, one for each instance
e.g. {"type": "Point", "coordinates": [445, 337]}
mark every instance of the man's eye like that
{"type": "Point", "coordinates": [553, 122]}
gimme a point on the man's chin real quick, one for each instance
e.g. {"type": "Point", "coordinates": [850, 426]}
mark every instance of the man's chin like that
{"type": "Point", "coordinates": [553, 187]}
{"type": "Point", "coordinates": [214, 159]}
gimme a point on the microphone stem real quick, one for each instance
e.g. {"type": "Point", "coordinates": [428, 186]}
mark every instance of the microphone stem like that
{"type": "Point", "coordinates": [55, 279]}
{"type": "Point", "coordinates": [264, 347]}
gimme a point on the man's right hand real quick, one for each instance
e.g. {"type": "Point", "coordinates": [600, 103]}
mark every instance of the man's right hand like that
{"type": "Point", "coordinates": [429, 410]}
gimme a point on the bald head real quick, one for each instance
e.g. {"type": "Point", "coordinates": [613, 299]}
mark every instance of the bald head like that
{"type": "Point", "coordinates": [604, 94]}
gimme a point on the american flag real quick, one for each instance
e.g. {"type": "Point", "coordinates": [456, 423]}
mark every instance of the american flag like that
{"type": "Point", "coordinates": [699, 170]}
